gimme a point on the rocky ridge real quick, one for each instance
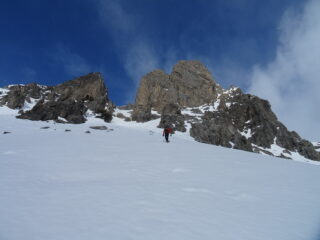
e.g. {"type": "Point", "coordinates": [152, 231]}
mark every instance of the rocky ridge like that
{"type": "Point", "coordinates": [190, 84]}
{"type": "Point", "coordinates": [68, 102]}
{"type": "Point", "coordinates": [190, 99]}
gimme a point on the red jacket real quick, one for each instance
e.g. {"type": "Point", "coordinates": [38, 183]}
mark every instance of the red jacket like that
{"type": "Point", "coordinates": [167, 131]}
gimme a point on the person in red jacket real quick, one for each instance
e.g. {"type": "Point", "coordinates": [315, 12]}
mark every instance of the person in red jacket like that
{"type": "Point", "coordinates": [166, 131]}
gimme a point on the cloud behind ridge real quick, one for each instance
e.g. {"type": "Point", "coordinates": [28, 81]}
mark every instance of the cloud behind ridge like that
{"type": "Point", "coordinates": [291, 82]}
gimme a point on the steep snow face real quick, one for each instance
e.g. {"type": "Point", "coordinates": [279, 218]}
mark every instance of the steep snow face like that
{"type": "Point", "coordinates": [126, 183]}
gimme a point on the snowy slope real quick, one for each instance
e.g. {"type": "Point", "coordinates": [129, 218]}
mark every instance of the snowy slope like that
{"type": "Point", "coordinates": [129, 184]}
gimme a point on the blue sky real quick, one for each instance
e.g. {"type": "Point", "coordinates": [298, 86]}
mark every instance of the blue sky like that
{"type": "Point", "coordinates": [52, 41]}
{"type": "Point", "coordinates": [242, 42]}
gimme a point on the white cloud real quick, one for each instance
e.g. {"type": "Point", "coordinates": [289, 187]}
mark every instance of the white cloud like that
{"type": "Point", "coordinates": [291, 82]}
{"type": "Point", "coordinates": [140, 59]}
{"type": "Point", "coordinates": [74, 64]}
{"type": "Point", "coordinates": [137, 52]}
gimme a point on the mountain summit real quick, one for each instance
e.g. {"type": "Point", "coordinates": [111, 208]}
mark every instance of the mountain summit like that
{"type": "Point", "coordinates": [190, 98]}
{"type": "Point", "coordinates": [189, 85]}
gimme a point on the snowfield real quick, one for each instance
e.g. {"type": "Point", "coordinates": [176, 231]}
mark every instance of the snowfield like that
{"type": "Point", "coordinates": [126, 183]}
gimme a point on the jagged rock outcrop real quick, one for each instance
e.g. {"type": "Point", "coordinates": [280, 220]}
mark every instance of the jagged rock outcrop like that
{"type": "Point", "coordinates": [246, 122]}
{"type": "Point", "coordinates": [194, 84]}
{"type": "Point", "coordinates": [189, 85]}
{"type": "Point", "coordinates": [66, 102]}
{"type": "Point", "coordinates": [229, 118]}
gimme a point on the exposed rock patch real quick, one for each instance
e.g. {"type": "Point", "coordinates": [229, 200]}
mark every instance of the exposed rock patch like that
{"type": "Point", "coordinates": [65, 103]}
{"type": "Point", "coordinates": [243, 121]}
{"type": "Point", "coordinates": [120, 115]}
{"type": "Point", "coordinates": [99, 127]}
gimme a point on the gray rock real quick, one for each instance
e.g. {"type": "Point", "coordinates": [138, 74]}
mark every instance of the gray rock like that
{"type": "Point", "coordinates": [142, 113]}
{"type": "Point", "coordinates": [171, 117]}
{"type": "Point", "coordinates": [99, 127]}
{"type": "Point", "coordinates": [120, 115]}
{"type": "Point", "coordinates": [19, 94]}
{"type": "Point", "coordinates": [69, 100]}
{"type": "Point", "coordinates": [194, 84]}
{"type": "Point", "coordinates": [128, 119]}
{"type": "Point", "coordinates": [239, 113]}
{"type": "Point", "coordinates": [68, 109]}
{"type": "Point", "coordinates": [189, 85]}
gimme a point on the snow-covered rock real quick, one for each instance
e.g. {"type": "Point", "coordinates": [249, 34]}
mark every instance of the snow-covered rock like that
{"type": "Point", "coordinates": [70, 100]}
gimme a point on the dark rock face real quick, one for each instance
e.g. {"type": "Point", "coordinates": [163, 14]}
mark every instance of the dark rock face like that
{"type": "Point", "coordinates": [171, 117]}
{"type": "Point", "coordinates": [141, 113]}
{"type": "Point", "coordinates": [189, 85]}
{"type": "Point", "coordinates": [67, 102]}
{"type": "Point", "coordinates": [219, 131]}
{"type": "Point", "coordinates": [71, 111]}
{"type": "Point", "coordinates": [99, 127]}
{"type": "Point", "coordinates": [246, 122]}
{"type": "Point", "coordinates": [89, 90]}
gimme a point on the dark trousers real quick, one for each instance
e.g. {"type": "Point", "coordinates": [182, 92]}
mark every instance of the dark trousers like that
{"type": "Point", "coordinates": [166, 135]}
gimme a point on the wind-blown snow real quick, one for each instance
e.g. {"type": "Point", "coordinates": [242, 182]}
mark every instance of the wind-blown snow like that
{"type": "Point", "coordinates": [129, 184]}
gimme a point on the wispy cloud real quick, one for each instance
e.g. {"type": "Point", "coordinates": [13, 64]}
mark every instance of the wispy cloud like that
{"type": "Point", "coordinates": [291, 81]}
{"type": "Point", "coordinates": [137, 52]}
{"type": "Point", "coordinates": [73, 63]}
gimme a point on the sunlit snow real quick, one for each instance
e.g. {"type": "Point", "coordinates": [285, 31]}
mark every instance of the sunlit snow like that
{"type": "Point", "coordinates": [129, 184]}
